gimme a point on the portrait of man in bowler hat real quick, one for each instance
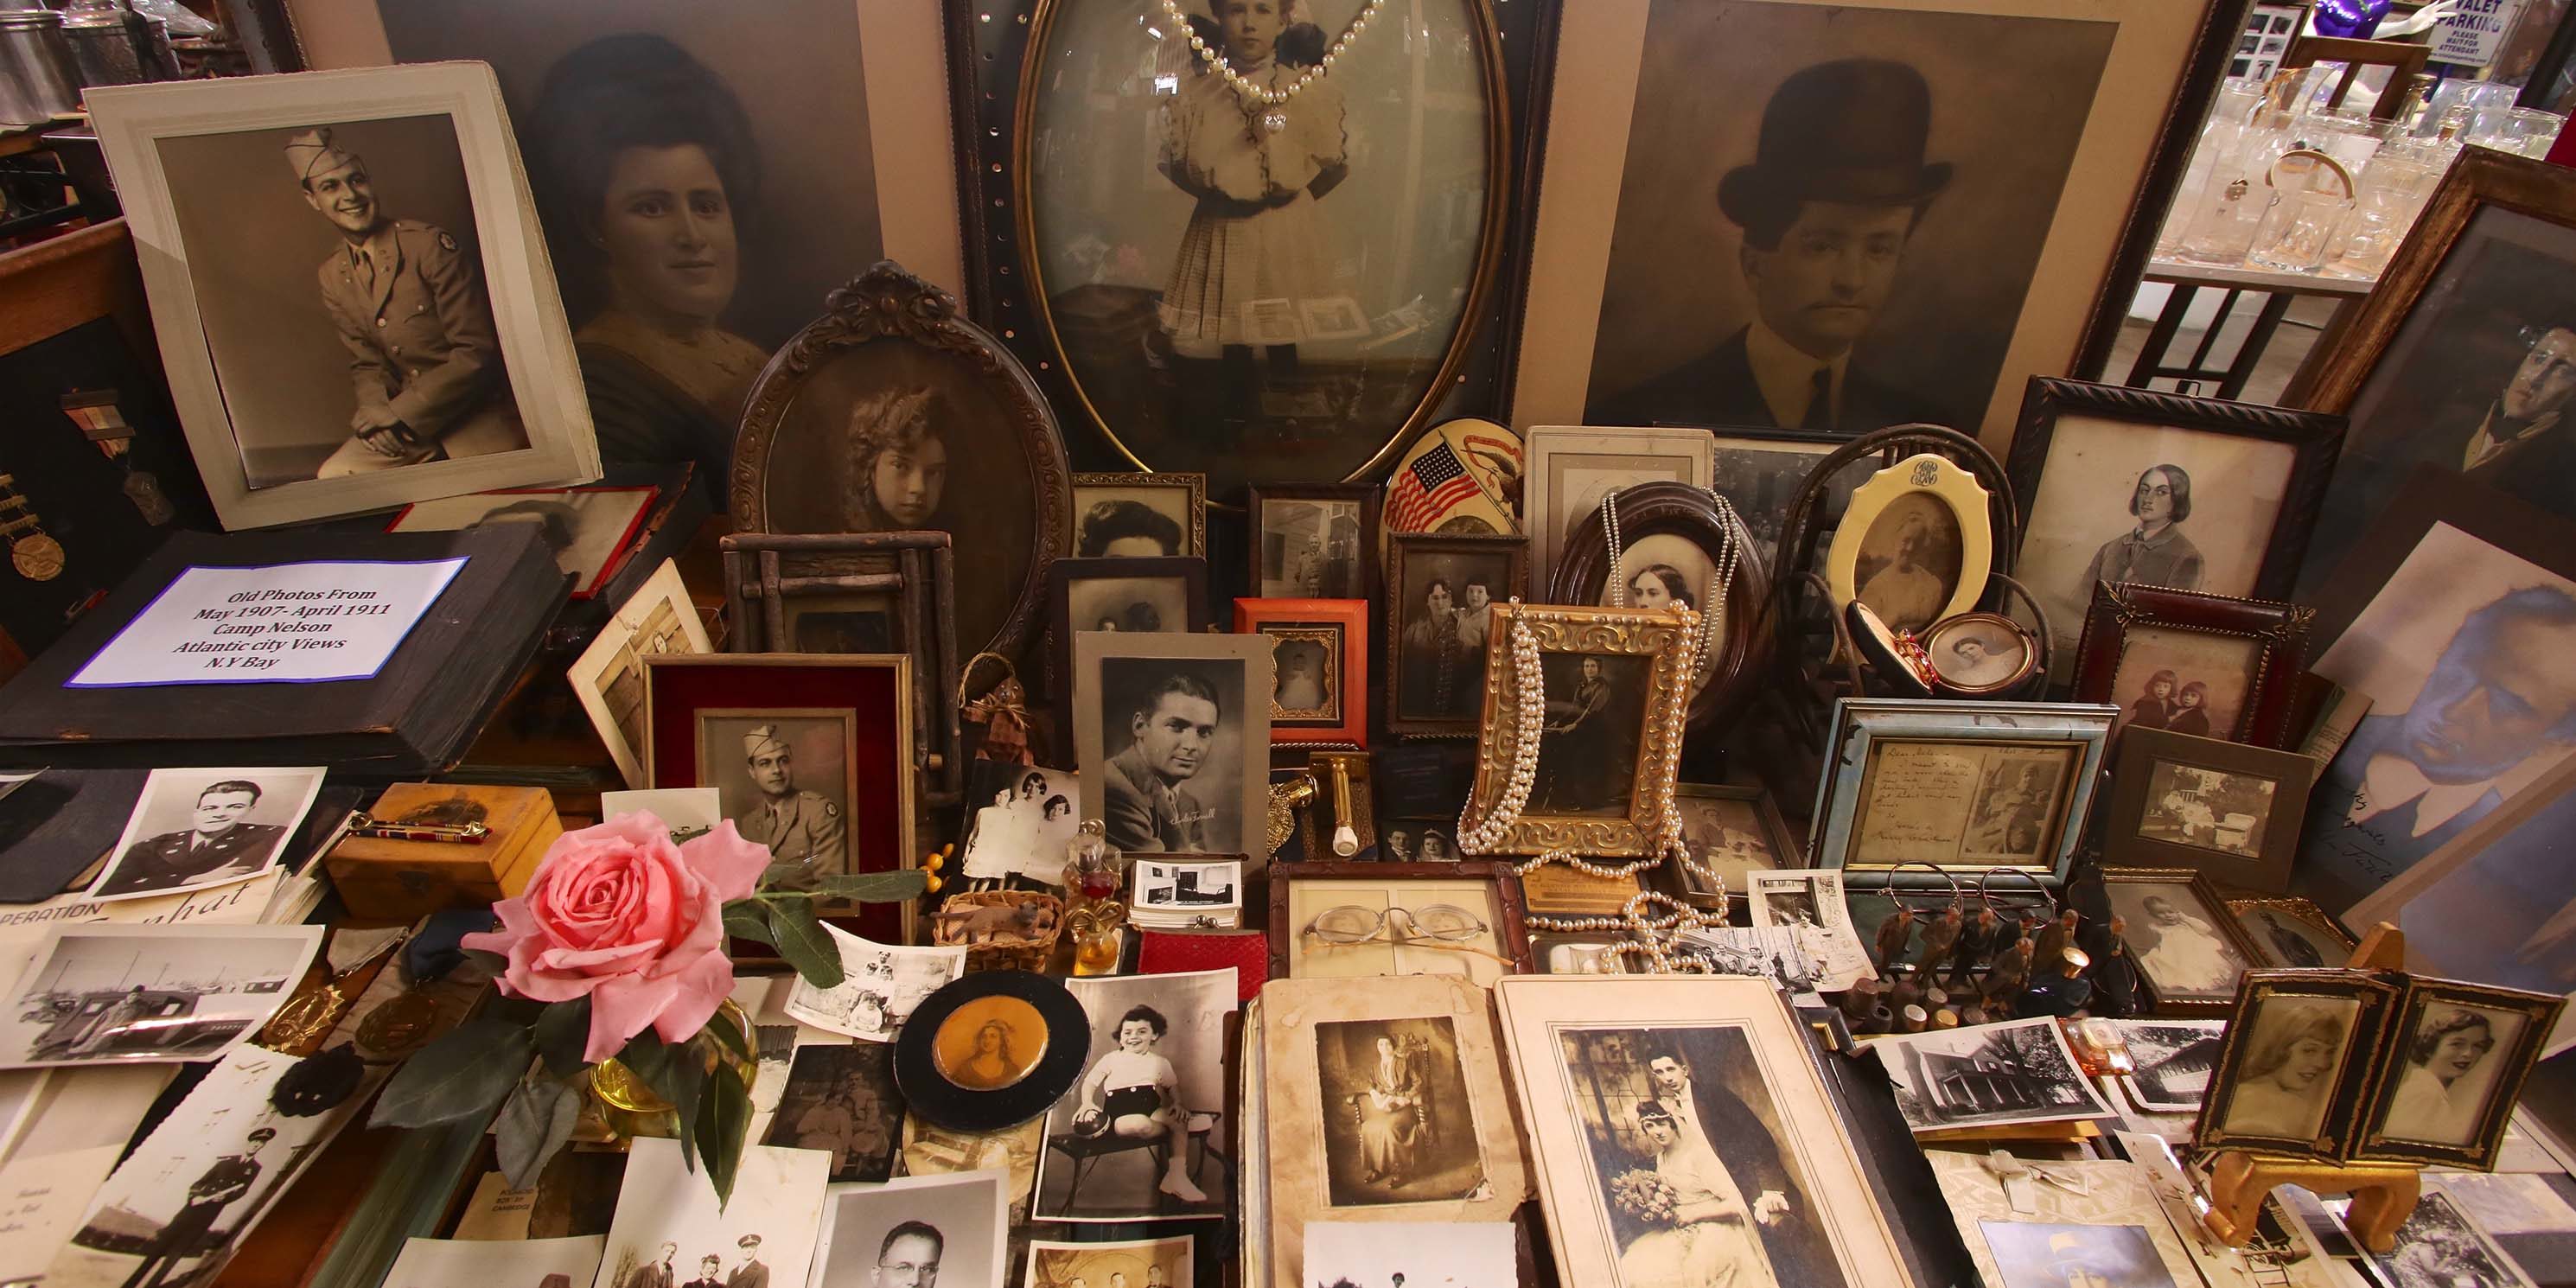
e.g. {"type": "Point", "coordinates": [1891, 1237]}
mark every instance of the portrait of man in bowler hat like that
{"type": "Point", "coordinates": [1838, 180]}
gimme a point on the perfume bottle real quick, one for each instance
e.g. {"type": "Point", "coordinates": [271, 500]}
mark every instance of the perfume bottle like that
{"type": "Point", "coordinates": [1094, 870]}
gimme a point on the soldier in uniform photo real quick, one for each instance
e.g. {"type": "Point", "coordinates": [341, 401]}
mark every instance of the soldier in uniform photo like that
{"type": "Point", "coordinates": [752, 1273]}
{"type": "Point", "coordinates": [1837, 183]}
{"type": "Point", "coordinates": [408, 302]}
{"type": "Point", "coordinates": [797, 826]}
{"type": "Point", "coordinates": [216, 842]}
{"type": "Point", "coordinates": [223, 1184]}
{"type": "Point", "coordinates": [1173, 728]}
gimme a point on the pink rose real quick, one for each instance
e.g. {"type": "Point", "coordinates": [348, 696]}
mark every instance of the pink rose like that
{"type": "Point", "coordinates": [620, 915]}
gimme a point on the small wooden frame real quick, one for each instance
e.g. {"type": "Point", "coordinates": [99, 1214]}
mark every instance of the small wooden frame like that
{"type": "Point", "coordinates": [1367, 501]}
{"type": "Point", "coordinates": [765, 572]}
{"type": "Point", "coordinates": [2172, 999]}
{"type": "Point", "coordinates": [2208, 845]}
{"type": "Point", "coordinates": [1090, 490]}
{"type": "Point", "coordinates": [2308, 915]}
{"type": "Point", "coordinates": [2278, 633]}
{"type": "Point", "coordinates": [1506, 924]}
{"type": "Point", "coordinates": [1414, 560]}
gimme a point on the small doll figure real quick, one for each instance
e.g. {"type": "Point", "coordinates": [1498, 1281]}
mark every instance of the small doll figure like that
{"type": "Point", "coordinates": [1893, 935]}
{"type": "Point", "coordinates": [1005, 714]}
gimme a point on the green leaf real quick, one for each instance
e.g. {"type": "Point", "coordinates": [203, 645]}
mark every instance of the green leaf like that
{"type": "Point", "coordinates": [534, 1126]}
{"type": "Point", "coordinates": [799, 935]}
{"type": "Point", "coordinates": [876, 887]}
{"type": "Point", "coordinates": [648, 1058]}
{"type": "Point", "coordinates": [779, 877]}
{"type": "Point", "coordinates": [688, 1085]}
{"type": "Point", "coordinates": [734, 1037]}
{"type": "Point", "coordinates": [744, 919]}
{"type": "Point", "coordinates": [563, 1036]}
{"type": "Point", "coordinates": [461, 1075]}
{"type": "Point", "coordinates": [724, 1119]}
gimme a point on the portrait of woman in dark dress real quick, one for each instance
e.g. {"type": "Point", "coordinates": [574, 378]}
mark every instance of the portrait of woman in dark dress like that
{"type": "Point", "coordinates": [643, 162]}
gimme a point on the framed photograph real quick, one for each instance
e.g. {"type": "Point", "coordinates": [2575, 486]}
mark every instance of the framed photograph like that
{"type": "Point", "coordinates": [665, 1210]}
{"type": "Point", "coordinates": [2284, 1083]}
{"type": "Point", "coordinates": [2173, 1061]}
{"type": "Point", "coordinates": [916, 1229]}
{"type": "Point", "coordinates": [1673, 539]}
{"type": "Point", "coordinates": [2196, 664]}
{"type": "Point", "coordinates": [2220, 808]}
{"type": "Point", "coordinates": [196, 828]}
{"type": "Point", "coordinates": [1625, 1101]}
{"type": "Point", "coordinates": [2455, 582]}
{"type": "Point", "coordinates": [1761, 471]}
{"type": "Point", "coordinates": [1979, 654]}
{"type": "Point", "coordinates": [1139, 516]}
{"type": "Point", "coordinates": [1567, 469]}
{"type": "Point", "coordinates": [2189, 949]}
{"type": "Point", "coordinates": [2460, 357]}
{"type": "Point", "coordinates": [1128, 595]}
{"type": "Point", "coordinates": [587, 527]}
{"type": "Point", "coordinates": [869, 413]}
{"type": "Point", "coordinates": [1172, 734]}
{"type": "Point", "coordinates": [1697, 152]}
{"type": "Point", "coordinates": [1441, 595]}
{"type": "Point", "coordinates": [2294, 932]}
{"type": "Point", "coordinates": [1251, 304]}
{"type": "Point", "coordinates": [1365, 920]}
{"type": "Point", "coordinates": [1609, 681]}
{"type": "Point", "coordinates": [1735, 831]}
{"type": "Point", "coordinates": [1916, 544]}
{"type": "Point", "coordinates": [2462, 1053]}
{"type": "Point", "coordinates": [1132, 1141]}
{"type": "Point", "coordinates": [101, 995]}
{"type": "Point", "coordinates": [2156, 489]}
{"type": "Point", "coordinates": [356, 309]}
{"type": "Point", "coordinates": [812, 756]}
{"type": "Point", "coordinates": [1319, 650]}
{"type": "Point", "coordinates": [2024, 1074]}
{"type": "Point", "coordinates": [1315, 540]}
{"type": "Point", "coordinates": [1968, 787]}
{"type": "Point", "coordinates": [608, 677]}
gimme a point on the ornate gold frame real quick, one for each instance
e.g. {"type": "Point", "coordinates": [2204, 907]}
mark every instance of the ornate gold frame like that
{"type": "Point", "coordinates": [1480, 285]}
{"type": "Point", "coordinates": [1194, 533]}
{"type": "Point", "coordinates": [1955, 488]}
{"type": "Point", "coordinates": [1659, 635]}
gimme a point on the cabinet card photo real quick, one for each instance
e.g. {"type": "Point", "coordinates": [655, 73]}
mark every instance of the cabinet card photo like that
{"type": "Point", "coordinates": [1170, 734]}
{"type": "Point", "coordinates": [358, 309]}
{"type": "Point", "coordinates": [1132, 1141]}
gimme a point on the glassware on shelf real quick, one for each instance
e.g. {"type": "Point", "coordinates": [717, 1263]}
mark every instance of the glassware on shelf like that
{"type": "Point", "coordinates": [2312, 193]}
{"type": "Point", "coordinates": [2221, 223]}
{"type": "Point", "coordinates": [2238, 100]}
{"type": "Point", "coordinates": [2393, 192]}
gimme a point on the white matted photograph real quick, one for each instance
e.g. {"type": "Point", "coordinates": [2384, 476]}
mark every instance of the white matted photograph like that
{"type": "Point", "coordinates": [355, 304]}
{"type": "Point", "coordinates": [916, 1232]}
{"type": "Point", "coordinates": [1169, 742]}
{"type": "Point", "coordinates": [490, 1263]}
{"type": "Point", "coordinates": [670, 1230]}
{"type": "Point", "coordinates": [1139, 1263]}
{"type": "Point", "coordinates": [1364, 1254]}
{"type": "Point", "coordinates": [880, 985]}
{"type": "Point", "coordinates": [608, 677]}
{"type": "Point", "coordinates": [1027, 815]}
{"type": "Point", "coordinates": [115, 994]}
{"type": "Point", "coordinates": [586, 527]}
{"type": "Point", "coordinates": [194, 828]}
{"type": "Point", "coordinates": [1132, 1142]}
{"type": "Point", "coordinates": [1988, 1076]}
{"type": "Point", "coordinates": [1186, 886]}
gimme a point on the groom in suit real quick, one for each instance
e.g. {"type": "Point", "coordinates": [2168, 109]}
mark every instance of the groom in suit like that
{"type": "Point", "coordinates": [1712, 1115]}
{"type": "Point", "coordinates": [1837, 184]}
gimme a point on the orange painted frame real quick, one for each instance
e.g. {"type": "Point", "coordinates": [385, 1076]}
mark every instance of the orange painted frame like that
{"type": "Point", "coordinates": [1350, 616]}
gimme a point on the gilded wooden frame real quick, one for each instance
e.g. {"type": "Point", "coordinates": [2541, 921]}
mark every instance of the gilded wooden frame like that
{"type": "Point", "coordinates": [2305, 912]}
{"type": "Point", "coordinates": [1193, 488]}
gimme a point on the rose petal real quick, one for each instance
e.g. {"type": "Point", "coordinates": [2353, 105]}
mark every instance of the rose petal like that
{"type": "Point", "coordinates": [621, 1007]}
{"type": "Point", "coordinates": [697, 992]}
{"type": "Point", "coordinates": [727, 862]}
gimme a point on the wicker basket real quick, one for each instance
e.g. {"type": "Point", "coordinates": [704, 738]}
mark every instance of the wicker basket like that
{"type": "Point", "coordinates": [1031, 955]}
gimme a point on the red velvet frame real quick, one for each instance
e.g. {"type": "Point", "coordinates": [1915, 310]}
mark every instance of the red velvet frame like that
{"type": "Point", "coordinates": [677, 686]}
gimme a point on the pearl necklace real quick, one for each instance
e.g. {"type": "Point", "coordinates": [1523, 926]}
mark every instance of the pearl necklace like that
{"type": "Point", "coordinates": [1651, 935]}
{"type": "Point", "coordinates": [1216, 60]}
{"type": "Point", "coordinates": [1713, 594]}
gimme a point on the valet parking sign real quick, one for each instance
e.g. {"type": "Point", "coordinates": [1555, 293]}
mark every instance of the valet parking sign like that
{"type": "Point", "coordinates": [301, 622]}
{"type": "Point", "coordinates": [2468, 38]}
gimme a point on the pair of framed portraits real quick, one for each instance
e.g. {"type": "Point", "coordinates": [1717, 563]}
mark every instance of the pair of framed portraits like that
{"type": "Point", "coordinates": [2356, 1067]}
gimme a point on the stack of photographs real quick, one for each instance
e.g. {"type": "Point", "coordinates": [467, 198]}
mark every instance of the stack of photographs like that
{"type": "Point", "coordinates": [1187, 896]}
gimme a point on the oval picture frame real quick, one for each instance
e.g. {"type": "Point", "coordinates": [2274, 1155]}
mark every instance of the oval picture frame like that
{"type": "Point", "coordinates": [1941, 635]}
{"type": "Point", "coordinates": [1896, 494]}
{"type": "Point", "coordinates": [1667, 508]}
{"type": "Point", "coordinates": [1308, 321]}
{"type": "Point", "coordinates": [924, 337]}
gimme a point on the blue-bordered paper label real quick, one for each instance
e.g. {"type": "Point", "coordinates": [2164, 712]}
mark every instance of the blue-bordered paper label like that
{"type": "Point", "coordinates": [297, 623]}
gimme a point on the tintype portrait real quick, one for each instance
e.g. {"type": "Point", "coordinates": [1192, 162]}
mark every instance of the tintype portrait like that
{"type": "Point", "coordinates": [1998, 1073]}
{"type": "Point", "coordinates": [2207, 808]}
{"type": "Point", "coordinates": [2035, 1254]}
{"type": "Point", "coordinates": [1656, 1107]}
{"type": "Point", "coordinates": [2190, 682]}
{"type": "Point", "coordinates": [1131, 1142]}
{"type": "Point", "coordinates": [1398, 1127]}
{"type": "Point", "coordinates": [2466, 710]}
{"type": "Point", "coordinates": [1587, 750]}
{"type": "Point", "coordinates": [193, 828]}
{"type": "Point", "coordinates": [1139, 515]}
{"type": "Point", "coordinates": [1308, 662]}
{"type": "Point", "coordinates": [1856, 254]}
{"type": "Point", "coordinates": [2285, 1081]}
{"type": "Point", "coordinates": [587, 528]}
{"type": "Point", "coordinates": [784, 777]}
{"type": "Point", "coordinates": [1171, 737]}
{"type": "Point", "coordinates": [1978, 653]}
{"type": "Point", "coordinates": [2186, 507]}
{"type": "Point", "coordinates": [842, 1100]}
{"type": "Point", "coordinates": [1910, 561]}
{"type": "Point", "coordinates": [1312, 547]}
{"type": "Point", "coordinates": [2180, 949]}
{"type": "Point", "coordinates": [1257, 290]}
{"type": "Point", "coordinates": [1440, 603]}
{"type": "Point", "coordinates": [2479, 377]}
